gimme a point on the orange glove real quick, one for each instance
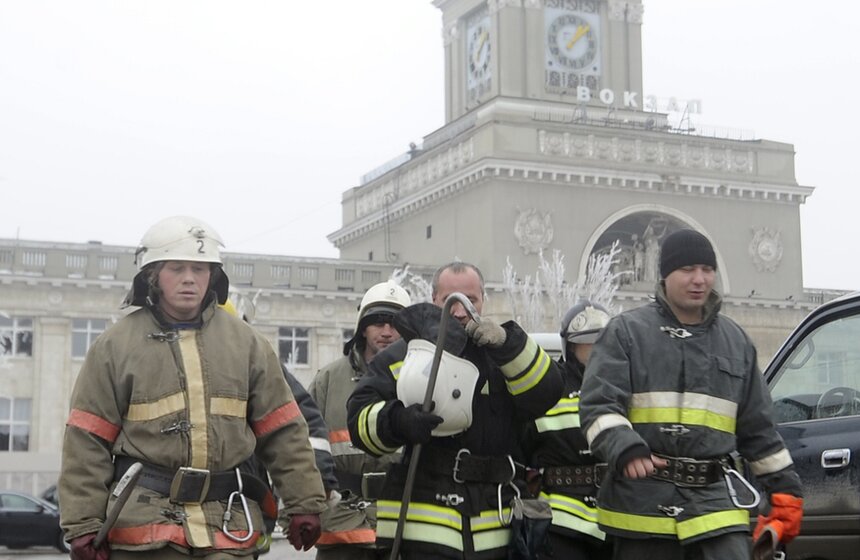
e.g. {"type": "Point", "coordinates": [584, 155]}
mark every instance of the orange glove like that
{"type": "Point", "coordinates": [786, 509]}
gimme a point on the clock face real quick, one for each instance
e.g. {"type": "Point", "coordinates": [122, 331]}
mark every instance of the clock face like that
{"type": "Point", "coordinates": [478, 51]}
{"type": "Point", "coordinates": [572, 46]}
{"type": "Point", "coordinates": [572, 42]}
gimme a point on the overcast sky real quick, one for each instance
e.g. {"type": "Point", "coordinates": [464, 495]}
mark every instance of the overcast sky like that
{"type": "Point", "coordinates": [257, 115]}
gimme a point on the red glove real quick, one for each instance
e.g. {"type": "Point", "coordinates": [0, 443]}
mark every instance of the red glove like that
{"type": "Point", "coordinates": [83, 549]}
{"type": "Point", "coordinates": [304, 530]}
{"type": "Point", "coordinates": [786, 509]}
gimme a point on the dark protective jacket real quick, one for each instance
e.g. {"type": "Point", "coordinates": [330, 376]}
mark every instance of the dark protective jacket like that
{"type": "Point", "coordinates": [517, 383]}
{"type": "Point", "coordinates": [556, 440]}
{"type": "Point", "coordinates": [653, 385]}
{"type": "Point", "coordinates": [317, 430]}
{"type": "Point", "coordinates": [353, 521]}
{"type": "Point", "coordinates": [208, 396]}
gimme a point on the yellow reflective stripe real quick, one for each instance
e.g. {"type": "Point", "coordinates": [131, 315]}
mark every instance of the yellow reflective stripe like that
{"type": "Point", "coordinates": [395, 369]}
{"type": "Point", "coordinates": [488, 519]}
{"type": "Point", "coordinates": [367, 429]}
{"type": "Point", "coordinates": [557, 423]}
{"type": "Point", "coordinates": [685, 529]}
{"type": "Point", "coordinates": [573, 514]}
{"type": "Point", "coordinates": [228, 407]}
{"type": "Point", "coordinates": [488, 540]}
{"type": "Point", "coordinates": [422, 512]}
{"type": "Point", "coordinates": [695, 408]}
{"type": "Point", "coordinates": [605, 422]}
{"type": "Point", "coordinates": [564, 405]}
{"type": "Point", "coordinates": [532, 377]}
{"type": "Point", "coordinates": [522, 361]}
{"type": "Point", "coordinates": [140, 412]}
{"type": "Point", "coordinates": [423, 532]}
{"type": "Point", "coordinates": [712, 521]}
{"type": "Point", "coordinates": [196, 390]}
{"type": "Point", "coordinates": [198, 529]}
{"type": "Point", "coordinates": [772, 463]}
{"type": "Point", "coordinates": [682, 416]}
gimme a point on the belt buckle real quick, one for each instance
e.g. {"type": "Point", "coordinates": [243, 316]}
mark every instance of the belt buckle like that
{"type": "Point", "coordinates": [456, 471]}
{"type": "Point", "coordinates": [189, 486]}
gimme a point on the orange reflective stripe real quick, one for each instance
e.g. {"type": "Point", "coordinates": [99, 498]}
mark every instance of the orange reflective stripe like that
{"type": "Point", "coordinates": [159, 532]}
{"type": "Point", "coordinates": [355, 536]}
{"type": "Point", "coordinates": [96, 425]}
{"type": "Point", "coordinates": [339, 436]}
{"type": "Point", "coordinates": [278, 418]}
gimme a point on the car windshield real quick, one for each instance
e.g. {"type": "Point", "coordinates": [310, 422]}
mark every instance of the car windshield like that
{"type": "Point", "coordinates": [821, 377]}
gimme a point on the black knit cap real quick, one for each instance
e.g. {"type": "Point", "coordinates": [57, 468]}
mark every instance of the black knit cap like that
{"type": "Point", "coordinates": [685, 247]}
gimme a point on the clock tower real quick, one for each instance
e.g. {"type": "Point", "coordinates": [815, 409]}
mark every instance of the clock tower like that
{"type": "Point", "coordinates": [548, 147]}
{"type": "Point", "coordinates": [566, 51]}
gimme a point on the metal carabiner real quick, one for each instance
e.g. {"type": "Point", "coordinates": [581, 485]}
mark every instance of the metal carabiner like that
{"type": "Point", "coordinates": [510, 482]}
{"type": "Point", "coordinates": [228, 514]}
{"type": "Point", "coordinates": [728, 473]}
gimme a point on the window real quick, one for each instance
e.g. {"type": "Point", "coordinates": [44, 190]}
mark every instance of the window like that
{"type": "Point", "coordinates": [429, 232]}
{"type": "Point", "coordinates": [280, 275]}
{"type": "Point", "coordinates": [371, 277]}
{"type": "Point", "coordinates": [308, 276]}
{"type": "Point", "coordinates": [16, 336]}
{"type": "Point", "coordinates": [293, 345]}
{"type": "Point", "coordinates": [14, 424]}
{"type": "Point", "coordinates": [243, 270]}
{"type": "Point", "coordinates": [84, 332]}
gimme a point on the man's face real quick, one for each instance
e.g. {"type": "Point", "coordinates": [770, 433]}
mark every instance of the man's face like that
{"type": "Point", "coordinates": [378, 335]}
{"type": "Point", "coordinates": [183, 286]}
{"type": "Point", "coordinates": [687, 291]}
{"type": "Point", "coordinates": [467, 283]}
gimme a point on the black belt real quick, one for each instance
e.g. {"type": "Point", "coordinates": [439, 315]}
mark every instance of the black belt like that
{"type": "Point", "coordinates": [465, 467]}
{"type": "Point", "coordinates": [187, 485]}
{"type": "Point", "coordinates": [574, 475]}
{"type": "Point", "coordinates": [690, 472]}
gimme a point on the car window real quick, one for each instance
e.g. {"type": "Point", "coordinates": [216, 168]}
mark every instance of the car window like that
{"type": "Point", "coordinates": [821, 377]}
{"type": "Point", "coordinates": [18, 503]}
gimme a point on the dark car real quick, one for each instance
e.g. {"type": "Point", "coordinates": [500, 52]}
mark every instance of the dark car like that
{"type": "Point", "coordinates": [29, 521]}
{"type": "Point", "coordinates": [814, 380]}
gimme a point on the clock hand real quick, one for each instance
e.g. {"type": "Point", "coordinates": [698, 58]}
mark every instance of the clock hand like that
{"type": "Point", "coordinates": [580, 31]}
{"type": "Point", "coordinates": [481, 41]}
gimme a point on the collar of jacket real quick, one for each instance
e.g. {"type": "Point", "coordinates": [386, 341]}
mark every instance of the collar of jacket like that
{"type": "Point", "coordinates": [711, 310]}
{"type": "Point", "coordinates": [356, 361]}
{"type": "Point", "coordinates": [208, 308]}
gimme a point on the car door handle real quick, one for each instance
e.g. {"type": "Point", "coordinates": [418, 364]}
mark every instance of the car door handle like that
{"type": "Point", "coordinates": [835, 458]}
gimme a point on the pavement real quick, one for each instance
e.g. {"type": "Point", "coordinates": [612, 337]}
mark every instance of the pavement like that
{"type": "Point", "coordinates": [281, 550]}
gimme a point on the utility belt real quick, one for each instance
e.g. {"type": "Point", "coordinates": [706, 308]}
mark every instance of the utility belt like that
{"type": "Point", "coordinates": [691, 473]}
{"type": "Point", "coordinates": [188, 485]}
{"type": "Point", "coordinates": [463, 466]}
{"type": "Point", "coordinates": [574, 475]}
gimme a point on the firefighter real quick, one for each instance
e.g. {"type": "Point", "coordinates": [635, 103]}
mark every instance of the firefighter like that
{"type": "Point", "coordinates": [567, 473]}
{"type": "Point", "coordinates": [672, 388]}
{"type": "Point", "coordinates": [492, 379]}
{"type": "Point", "coordinates": [195, 395]}
{"type": "Point", "coordinates": [349, 526]}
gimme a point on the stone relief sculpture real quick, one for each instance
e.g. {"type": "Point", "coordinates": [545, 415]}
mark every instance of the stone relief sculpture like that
{"type": "Point", "coordinates": [533, 230]}
{"type": "Point", "coordinates": [655, 231]}
{"type": "Point", "coordinates": [765, 248]}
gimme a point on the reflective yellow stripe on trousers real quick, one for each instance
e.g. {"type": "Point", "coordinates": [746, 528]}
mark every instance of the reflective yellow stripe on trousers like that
{"type": "Point", "coordinates": [573, 514]}
{"type": "Point", "coordinates": [487, 530]}
{"type": "Point", "coordinates": [425, 522]}
{"type": "Point", "coordinates": [685, 529]}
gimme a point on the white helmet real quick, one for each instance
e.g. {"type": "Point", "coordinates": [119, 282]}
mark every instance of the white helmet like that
{"type": "Point", "coordinates": [179, 238]}
{"type": "Point", "coordinates": [383, 298]}
{"type": "Point", "coordinates": [452, 395]}
{"type": "Point", "coordinates": [582, 324]}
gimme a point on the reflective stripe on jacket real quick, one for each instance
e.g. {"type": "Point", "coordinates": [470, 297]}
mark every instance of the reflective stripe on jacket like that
{"type": "Point", "coordinates": [680, 391]}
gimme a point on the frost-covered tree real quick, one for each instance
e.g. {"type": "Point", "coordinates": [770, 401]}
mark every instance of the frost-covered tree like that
{"type": "Point", "coordinates": [419, 289]}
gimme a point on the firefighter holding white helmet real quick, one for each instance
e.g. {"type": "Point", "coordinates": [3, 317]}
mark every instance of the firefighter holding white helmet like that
{"type": "Point", "coordinates": [197, 397]}
{"type": "Point", "coordinates": [349, 525]}
{"type": "Point", "coordinates": [466, 474]}
{"type": "Point", "coordinates": [566, 473]}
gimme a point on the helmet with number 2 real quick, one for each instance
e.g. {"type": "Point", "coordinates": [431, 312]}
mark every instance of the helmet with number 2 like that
{"type": "Point", "coordinates": [178, 238]}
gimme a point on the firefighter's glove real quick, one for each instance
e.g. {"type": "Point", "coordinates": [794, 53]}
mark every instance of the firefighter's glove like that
{"type": "Point", "coordinates": [413, 425]}
{"type": "Point", "coordinates": [82, 548]}
{"type": "Point", "coordinates": [304, 530]}
{"type": "Point", "coordinates": [786, 509]}
{"type": "Point", "coordinates": [486, 333]}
